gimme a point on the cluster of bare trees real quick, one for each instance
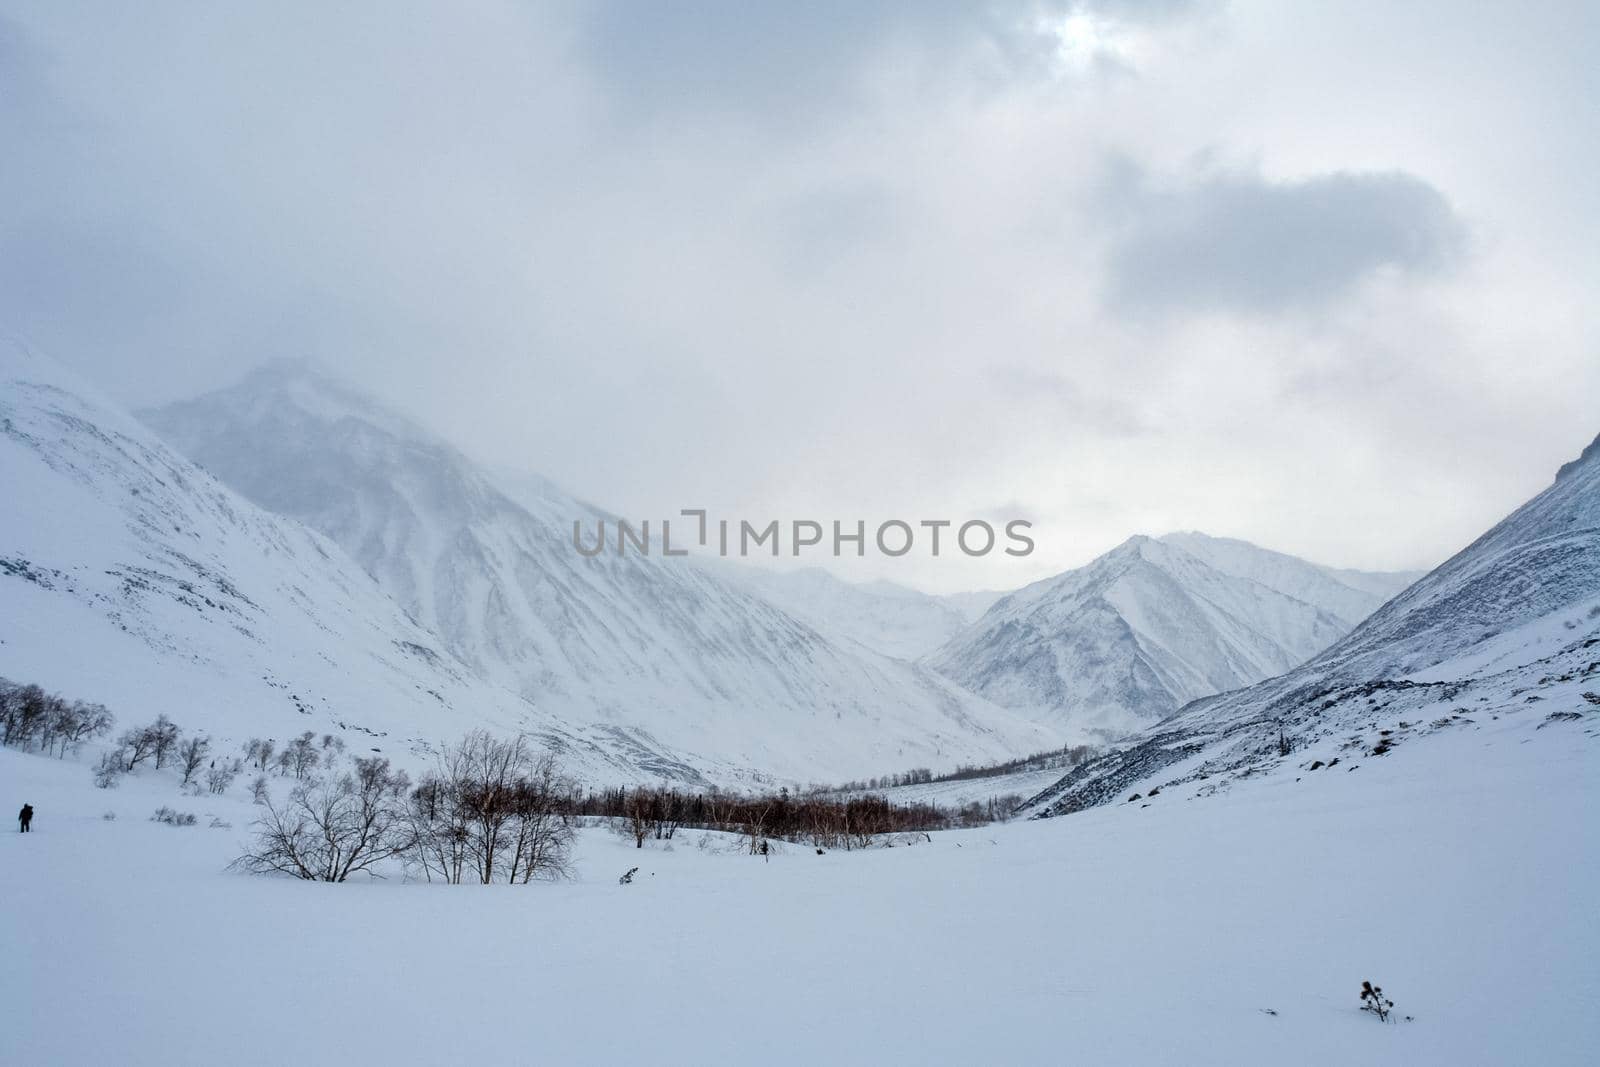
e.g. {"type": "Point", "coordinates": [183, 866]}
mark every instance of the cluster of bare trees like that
{"type": "Point", "coordinates": [1062, 758]}
{"type": "Point", "coordinates": [31, 718]}
{"type": "Point", "coordinates": [45, 722]}
{"type": "Point", "coordinates": [490, 809]}
{"type": "Point", "coordinates": [162, 743]}
{"type": "Point", "coordinates": [818, 819]}
{"type": "Point", "coordinates": [299, 757]}
{"type": "Point", "coordinates": [496, 809]}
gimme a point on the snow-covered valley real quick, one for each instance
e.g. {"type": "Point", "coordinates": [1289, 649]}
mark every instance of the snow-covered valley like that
{"type": "Point", "coordinates": [1402, 795]}
{"type": "Point", "coordinates": [628, 533]}
{"type": "Point", "coordinates": [1233, 928]}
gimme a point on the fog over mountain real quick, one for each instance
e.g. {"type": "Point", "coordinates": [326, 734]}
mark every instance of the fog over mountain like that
{"type": "Point", "coordinates": [697, 660]}
{"type": "Point", "coordinates": [1065, 261]}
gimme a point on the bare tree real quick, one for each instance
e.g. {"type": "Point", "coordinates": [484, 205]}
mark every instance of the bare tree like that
{"type": "Point", "coordinates": [22, 714]}
{"type": "Point", "coordinates": [110, 769]}
{"type": "Point", "coordinates": [329, 831]}
{"type": "Point", "coordinates": [164, 735]}
{"type": "Point", "coordinates": [541, 834]}
{"type": "Point", "coordinates": [260, 752]}
{"type": "Point", "coordinates": [220, 775]}
{"type": "Point", "coordinates": [87, 721]}
{"type": "Point", "coordinates": [491, 809]}
{"type": "Point", "coordinates": [639, 818]}
{"type": "Point", "coordinates": [302, 755]}
{"type": "Point", "coordinates": [136, 746]}
{"type": "Point", "coordinates": [191, 754]}
{"type": "Point", "coordinates": [755, 823]}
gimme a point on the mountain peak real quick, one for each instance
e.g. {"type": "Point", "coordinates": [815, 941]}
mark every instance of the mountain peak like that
{"type": "Point", "coordinates": [609, 641]}
{"type": "Point", "coordinates": [1132, 546]}
{"type": "Point", "coordinates": [302, 376]}
{"type": "Point", "coordinates": [1590, 454]}
{"type": "Point", "coordinates": [292, 390]}
{"type": "Point", "coordinates": [1153, 623]}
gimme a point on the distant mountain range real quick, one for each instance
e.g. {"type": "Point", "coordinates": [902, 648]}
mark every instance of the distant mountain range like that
{"type": "Point", "coordinates": [350, 570]}
{"type": "Point", "coordinates": [1507, 629]}
{"type": "Point", "coordinates": [1152, 624]}
{"type": "Point", "coordinates": [132, 577]}
{"type": "Point", "coordinates": [693, 659]}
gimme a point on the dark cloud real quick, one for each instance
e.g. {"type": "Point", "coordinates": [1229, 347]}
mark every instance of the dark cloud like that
{"type": "Point", "coordinates": [1244, 243]}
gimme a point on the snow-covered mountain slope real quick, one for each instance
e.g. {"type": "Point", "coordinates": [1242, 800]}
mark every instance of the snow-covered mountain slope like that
{"type": "Point", "coordinates": [130, 576]}
{"type": "Point", "coordinates": [1155, 623]}
{"type": "Point", "coordinates": [643, 642]}
{"type": "Point", "coordinates": [1508, 628]}
{"type": "Point", "coordinates": [886, 617]}
{"type": "Point", "coordinates": [1348, 595]}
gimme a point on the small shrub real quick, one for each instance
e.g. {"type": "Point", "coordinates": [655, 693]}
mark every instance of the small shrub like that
{"type": "Point", "coordinates": [1373, 1000]}
{"type": "Point", "coordinates": [173, 818]}
{"type": "Point", "coordinates": [110, 816]}
{"type": "Point", "coordinates": [109, 771]}
{"type": "Point", "coordinates": [627, 879]}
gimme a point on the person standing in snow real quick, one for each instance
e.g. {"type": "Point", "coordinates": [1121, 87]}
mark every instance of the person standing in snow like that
{"type": "Point", "coordinates": [25, 817]}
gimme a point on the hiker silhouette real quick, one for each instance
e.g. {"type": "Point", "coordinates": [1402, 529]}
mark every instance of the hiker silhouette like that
{"type": "Point", "coordinates": [25, 817]}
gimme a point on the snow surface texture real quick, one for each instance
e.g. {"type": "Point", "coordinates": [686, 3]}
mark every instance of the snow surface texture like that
{"type": "Point", "coordinates": [661, 647]}
{"type": "Point", "coordinates": [1154, 623]}
{"type": "Point", "coordinates": [1233, 928]}
{"type": "Point", "coordinates": [1508, 627]}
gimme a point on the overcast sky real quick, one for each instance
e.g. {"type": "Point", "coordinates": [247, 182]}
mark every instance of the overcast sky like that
{"type": "Point", "coordinates": [1321, 276]}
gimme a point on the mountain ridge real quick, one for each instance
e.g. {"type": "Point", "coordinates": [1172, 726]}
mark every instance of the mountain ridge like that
{"type": "Point", "coordinates": [1151, 624]}
{"type": "Point", "coordinates": [1506, 628]}
{"type": "Point", "coordinates": [133, 576]}
{"type": "Point", "coordinates": [700, 662]}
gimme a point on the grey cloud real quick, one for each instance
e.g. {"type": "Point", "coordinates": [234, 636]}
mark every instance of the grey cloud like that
{"type": "Point", "coordinates": [1243, 243]}
{"type": "Point", "coordinates": [791, 61]}
{"type": "Point", "coordinates": [623, 275]}
{"type": "Point", "coordinates": [1093, 410]}
{"type": "Point", "coordinates": [823, 227]}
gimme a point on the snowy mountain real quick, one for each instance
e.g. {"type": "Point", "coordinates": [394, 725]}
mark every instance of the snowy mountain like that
{"type": "Point", "coordinates": [1153, 624]}
{"type": "Point", "coordinates": [885, 617]}
{"type": "Point", "coordinates": [660, 645]}
{"type": "Point", "coordinates": [132, 577]}
{"type": "Point", "coordinates": [1507, 629]}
